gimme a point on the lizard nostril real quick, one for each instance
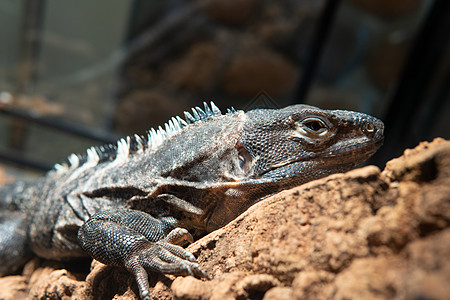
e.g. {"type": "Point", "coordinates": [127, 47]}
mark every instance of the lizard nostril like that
{"type": "Point", "coordinates": [369, 128]}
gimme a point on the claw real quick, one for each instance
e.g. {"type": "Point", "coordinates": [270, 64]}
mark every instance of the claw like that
{"type": "Point", "coordinates": [190, 271]}
{"type": "Point", "coordinates": [145, 295]}
{"type": "Point", "coordinates": [178, 235]}
{"type": "Point", "coordinates": [199, 273]}
{"type": "Point", "coordinates": [204, 275]}
{"type": "Point", "coordinates": [191, 257]}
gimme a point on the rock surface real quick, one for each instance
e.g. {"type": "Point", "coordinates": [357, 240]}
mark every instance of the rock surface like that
{"type": "Point", "coordinates": [364, 234]}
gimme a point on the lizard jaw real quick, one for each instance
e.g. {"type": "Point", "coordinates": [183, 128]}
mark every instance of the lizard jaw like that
{"type": "Point", "coordinates": [352, 156]}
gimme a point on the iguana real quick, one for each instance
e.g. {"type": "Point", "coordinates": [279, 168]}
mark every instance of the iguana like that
{"type": "Point", "coordinates": [132, 204]}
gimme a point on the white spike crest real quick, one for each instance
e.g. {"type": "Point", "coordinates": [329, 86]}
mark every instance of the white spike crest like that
{"type": "Point", "coordinates": [124, 149]}
{"type": "Point", "coordinates": [182, 122]}
{"type": "Point", "coordinates": [60, 168]}
{"type": "Point", "coordinates": [74, 161]}
{"type": "Point", "coordinates": [92, 157]}
{"type": "Point", "coordinates": [215, 109]}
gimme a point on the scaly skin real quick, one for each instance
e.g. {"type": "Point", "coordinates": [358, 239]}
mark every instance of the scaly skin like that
{"type": "Point", "coordinates": [131, 205]}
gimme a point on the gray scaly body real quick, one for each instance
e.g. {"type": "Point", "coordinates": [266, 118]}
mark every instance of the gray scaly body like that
{"type": "Point", "coordinates": [133, 203]}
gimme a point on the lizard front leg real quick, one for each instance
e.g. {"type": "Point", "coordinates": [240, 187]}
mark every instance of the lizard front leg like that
{"type": "Point", "coordinates": [139, 242]}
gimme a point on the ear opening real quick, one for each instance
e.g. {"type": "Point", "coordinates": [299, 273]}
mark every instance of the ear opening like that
{"type": "Point", "coordinates": [245, 159]}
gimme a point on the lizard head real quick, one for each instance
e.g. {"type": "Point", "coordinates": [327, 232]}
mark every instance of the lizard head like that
{"type": "Point", "coordinates": [301, 143]}
{"type": "Point", "coordinates": [278, 149]}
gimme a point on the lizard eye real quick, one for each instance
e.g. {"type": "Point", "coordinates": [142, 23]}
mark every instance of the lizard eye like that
{"type": "Point", "coordinates": [314, 126]}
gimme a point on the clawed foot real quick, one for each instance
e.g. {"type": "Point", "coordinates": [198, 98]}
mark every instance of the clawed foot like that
{"type": "Point", "coordinates": [164, 256]}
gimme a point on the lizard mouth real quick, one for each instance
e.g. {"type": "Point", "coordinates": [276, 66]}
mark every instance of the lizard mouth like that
{"type": "Point", "coordinates": [351, 156]}
{"type": "Point", "coordinates": [363, 150]}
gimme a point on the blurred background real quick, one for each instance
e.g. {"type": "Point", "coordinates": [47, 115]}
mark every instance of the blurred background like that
{"type": "Point", "coordinates": [79, 73]}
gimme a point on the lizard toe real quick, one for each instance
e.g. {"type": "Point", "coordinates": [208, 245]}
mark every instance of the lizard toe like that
{"type": "Point", "coordinates": [178, 235]}
{"type": "Point", "coordinates": [177, 251]}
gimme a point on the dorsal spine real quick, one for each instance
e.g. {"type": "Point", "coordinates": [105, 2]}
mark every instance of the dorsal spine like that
{"type": "Point", "coordinates": [133, 144]}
